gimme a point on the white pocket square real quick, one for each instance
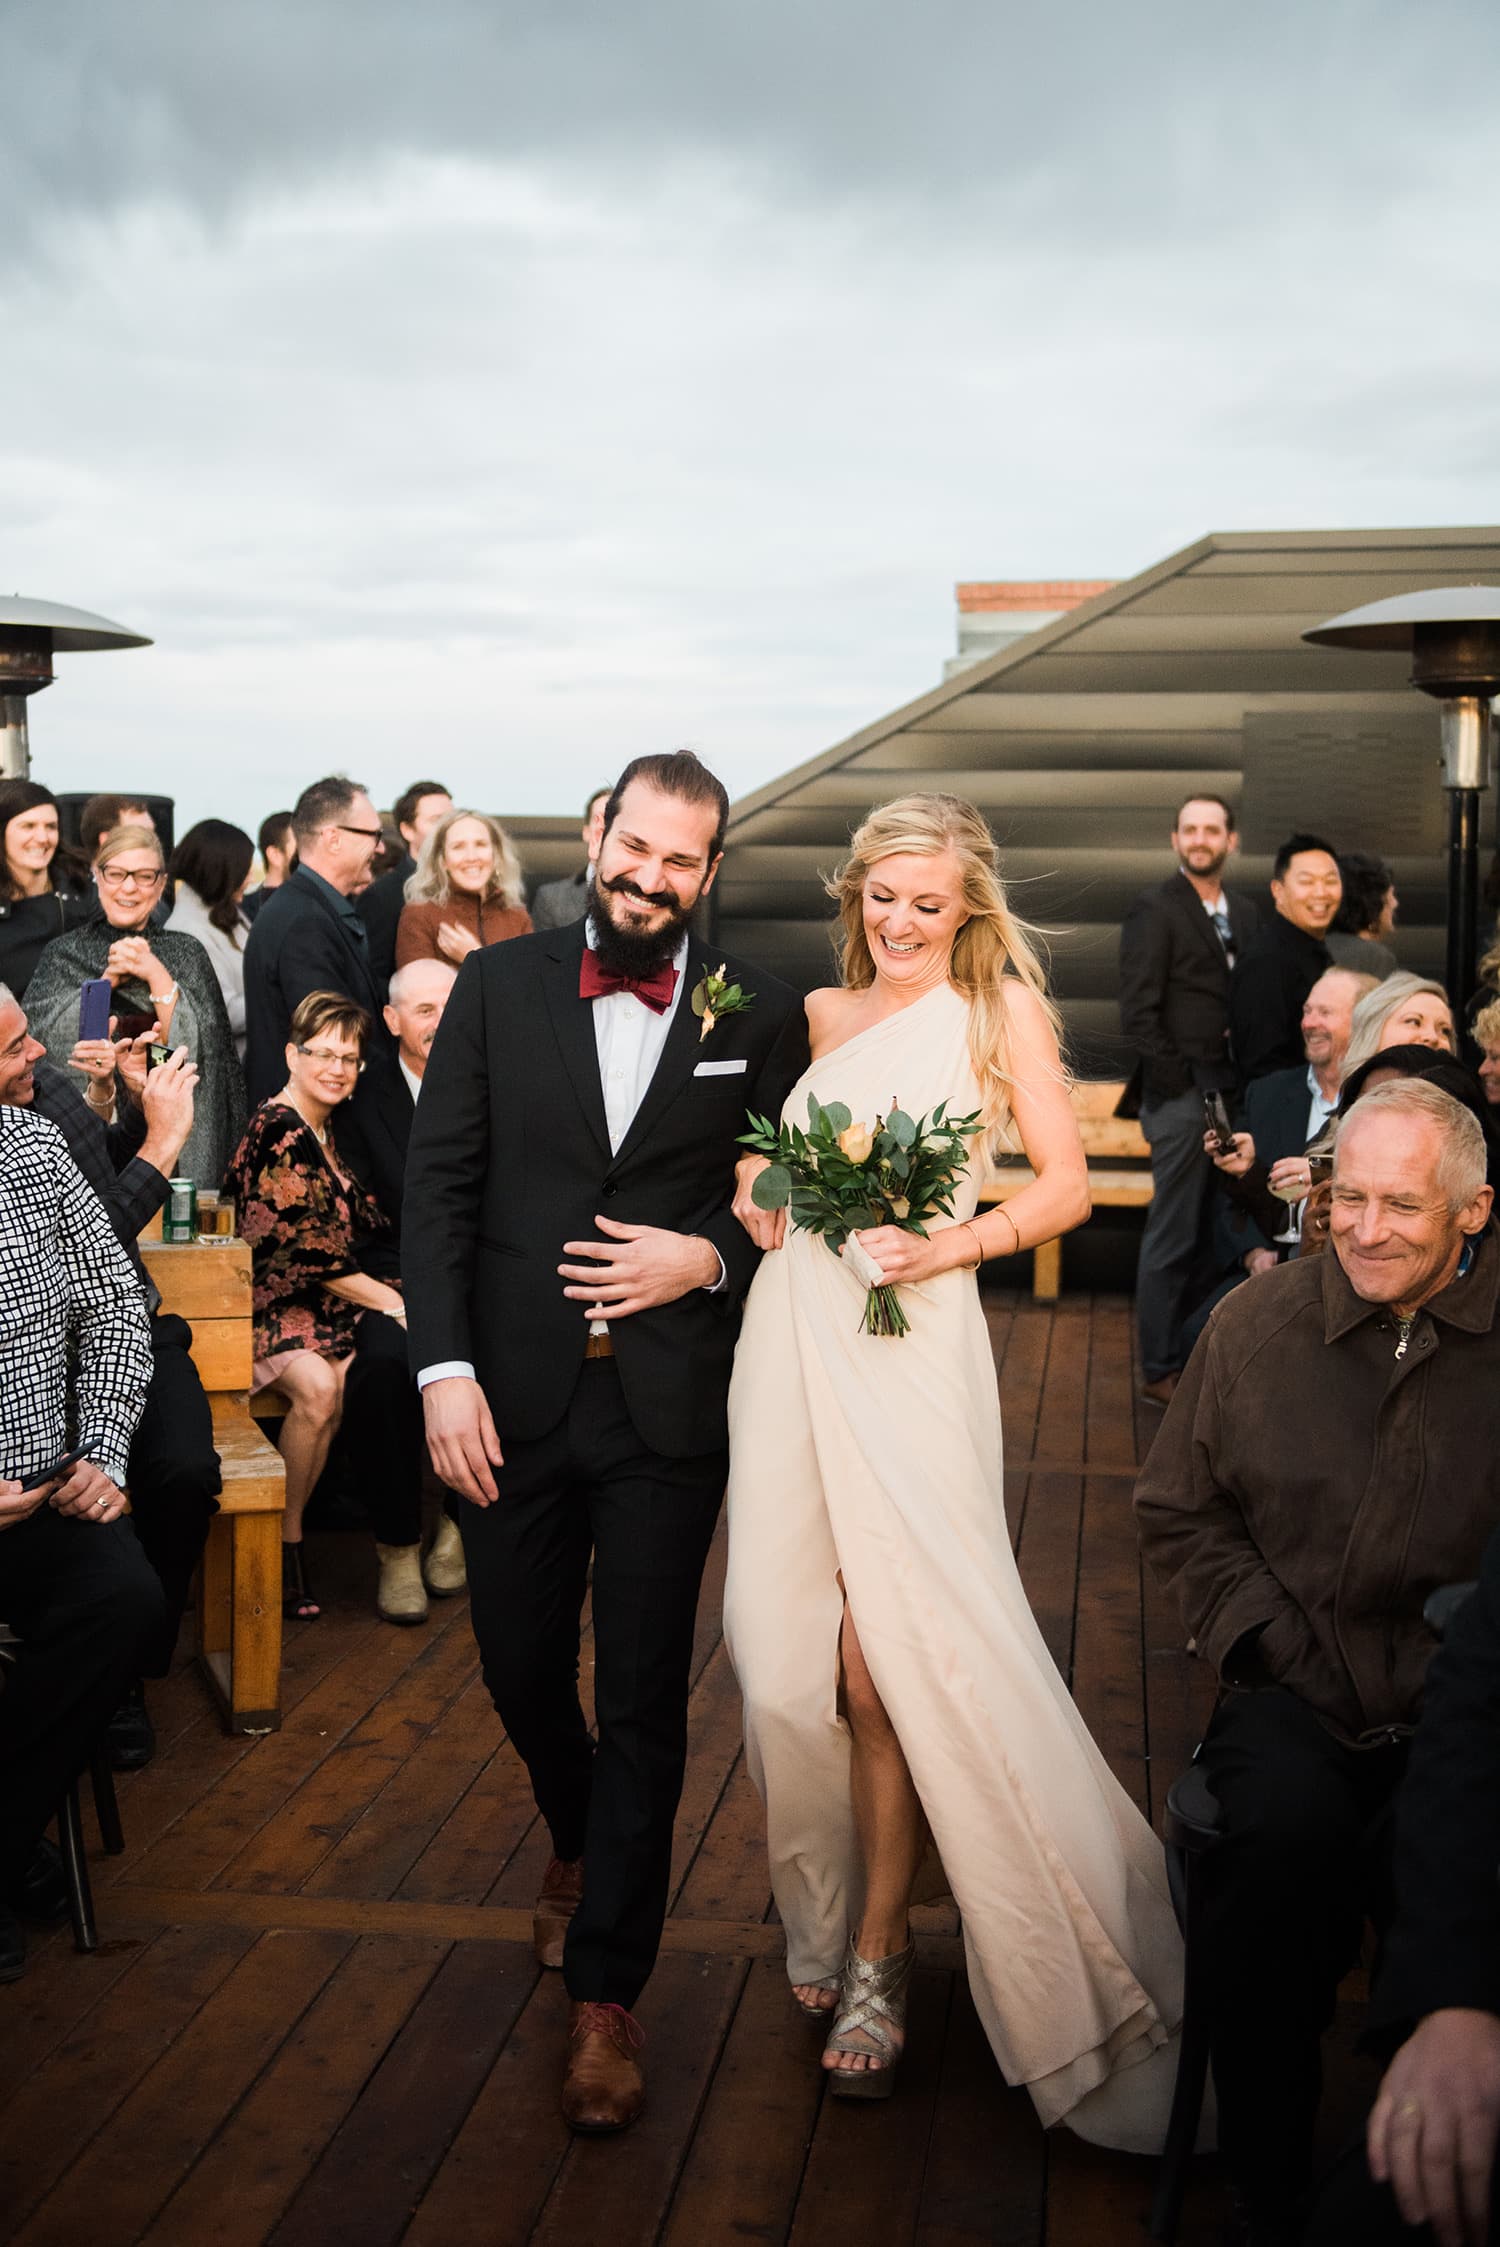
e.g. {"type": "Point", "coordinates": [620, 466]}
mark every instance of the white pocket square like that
{"type": "Point", "coordinates": [720, 1069]}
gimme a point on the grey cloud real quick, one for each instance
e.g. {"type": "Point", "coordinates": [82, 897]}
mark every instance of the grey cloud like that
{"type": "Point", "coordinates": [1086, 118]}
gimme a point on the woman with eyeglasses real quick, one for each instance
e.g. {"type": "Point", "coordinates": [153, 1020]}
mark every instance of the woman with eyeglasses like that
{"type": "Point", "coordinates": [163, 979]}
{"type": "Point", "coordinates": [330, 1339]}
{"type": "Point", "coordinates": [43, 891]}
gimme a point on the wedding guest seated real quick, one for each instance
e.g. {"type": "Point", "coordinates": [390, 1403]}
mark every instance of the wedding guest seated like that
{"type": "Point", "coordinates": [1360, 936]}
{"type": "Point", "coordinates": [1435, 2015]}
{"type": "Point", "coordinates": [465, 893]}
{"type": "Point", "coordinates": [1284, 1113]}
{"type": "Point", "coordinates": [276, 844]}
{"type": "Point", "coordinates": [162, 979]}
{"type": "Point", "coordinates": [210, 868]}
{"type": "Point", "coordinates": [1330, 1459]}
{"type": "Point", "coordinates": [375, 1127]}
{"type": "Point", "coordinates": [415, 813]}
{"type": "Point", "coordinates": [126, 1136]}
{"type": "Point", "coordinates": [328, 1336]}
{"type": "Point", "coordinates": [1401, 1010]}
{"type": "Point", "coordinates": [77, 1589]}
{"type": "Point", "coordinates": [43, 892]}
{"type": "Point", "coordinates": [1486, 1032]}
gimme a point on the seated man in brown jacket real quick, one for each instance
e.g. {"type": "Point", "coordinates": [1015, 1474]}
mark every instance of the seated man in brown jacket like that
{"type": "Point", "coordinates": [1331, 1456]}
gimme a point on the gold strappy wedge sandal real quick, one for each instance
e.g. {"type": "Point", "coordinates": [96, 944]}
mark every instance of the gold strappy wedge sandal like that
{"type": "Point", "coordinates": [870, 2023]}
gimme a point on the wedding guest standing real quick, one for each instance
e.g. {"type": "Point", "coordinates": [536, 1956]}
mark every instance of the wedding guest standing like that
{"type": "Point", "coordinates": [277, 846]}
{"type": "Point", "coordinates": [42, 894]}
{"type": "Point", "coordinates": [309, 936]}
{"type": "Point", "coordinates": [1360, 934]}
{"type": "Point", "coordinates": [574, 1275]}
{"type": "Point", "coordinates": [210, 868]}
{"type": "Point", "coordinates": [466, 892]}
{"type": "Point", "coordinates": [416, 812]}
{"type": "Point", "coordinates": [1282, 962]}
{"type": "Point", "coordinates": [895, 1680]}
{"type": "Point", "coordinates": [1177, 950]}
{"type": "Point", "coordinates": [160, 976]}
{"type": "Point", "coordinates": [317, 1314]}
{"type": "Point", "coordinates": [559, 904]}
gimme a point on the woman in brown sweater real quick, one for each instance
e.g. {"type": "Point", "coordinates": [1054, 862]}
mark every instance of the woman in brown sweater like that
{"type": "Point", "coordinates": [465, 893]}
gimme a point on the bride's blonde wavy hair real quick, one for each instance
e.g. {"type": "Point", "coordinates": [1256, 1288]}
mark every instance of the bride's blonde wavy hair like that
{"type": "Point", "coordinates": [992, 944]}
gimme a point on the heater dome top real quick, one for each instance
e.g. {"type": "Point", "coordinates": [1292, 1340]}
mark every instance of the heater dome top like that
{"type": "Point", "coordinates": [72, 630]}
{"type": "Point", "coordinates": [1392, 624]}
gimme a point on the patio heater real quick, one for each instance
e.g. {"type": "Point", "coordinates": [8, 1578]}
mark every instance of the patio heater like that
{"type": "Point", "coordinates": [31, 633]}
{"type": "Point", "coordinates": [1453, 637]}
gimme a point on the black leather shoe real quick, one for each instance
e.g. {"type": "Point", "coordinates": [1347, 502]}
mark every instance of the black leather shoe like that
{"type": "Point", "coordinates": [41, 1892]}
{"type": "Point", "coordinates": [131, 1734]}
{"type": "Point", "coordinates": [12, 1947]}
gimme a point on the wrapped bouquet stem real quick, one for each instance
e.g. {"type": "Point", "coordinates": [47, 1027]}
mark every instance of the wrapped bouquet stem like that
{"type": "Point", "coordinates": [839, 1178]}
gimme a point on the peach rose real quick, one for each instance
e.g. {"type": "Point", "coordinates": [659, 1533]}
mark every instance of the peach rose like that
{"type": "Point", "coordinates": [857, 1142]}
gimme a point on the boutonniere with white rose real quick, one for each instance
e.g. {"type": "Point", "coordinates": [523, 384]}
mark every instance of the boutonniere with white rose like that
{"type": "Point", "coordinates": [715, 998]}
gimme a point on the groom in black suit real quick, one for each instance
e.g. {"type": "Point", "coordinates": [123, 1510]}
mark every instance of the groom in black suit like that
{"type": "Point", "coordinates": [574, 1276]}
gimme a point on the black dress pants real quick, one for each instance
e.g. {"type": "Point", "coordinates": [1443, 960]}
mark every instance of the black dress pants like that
{"type": "Point", "coordinates": [1351, 2210]}
{"type": "Point", "coordinates": [591, 1485]}
{"type": "Point", "coordinates": [381, 1441]}
{"type": "Point", "coordinates": [83, 1600]}
{"type": "Point", "coordinates": [1305, 1857]}
{"type": "Point", "coordinates": [174, 1480]}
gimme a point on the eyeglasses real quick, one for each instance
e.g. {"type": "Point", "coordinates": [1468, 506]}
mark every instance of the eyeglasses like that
{"type": "Point", "coordinates": [116, 877]}
{"type": "Point", "coordinates": [371, 834]}
{"type": "Point", "coordinates": [321, 1053]}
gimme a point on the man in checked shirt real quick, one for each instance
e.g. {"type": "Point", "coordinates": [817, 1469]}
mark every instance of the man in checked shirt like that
{"type": "Point", "coordinates": [75, 1587]}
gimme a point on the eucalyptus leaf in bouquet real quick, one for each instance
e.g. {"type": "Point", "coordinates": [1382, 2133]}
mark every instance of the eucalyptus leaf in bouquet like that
{"type": "Point", "coordinates": [840, 1177]}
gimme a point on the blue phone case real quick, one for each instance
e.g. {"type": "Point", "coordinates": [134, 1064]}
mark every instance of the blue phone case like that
{"type": "Point", "coordinates": [94, 1003]}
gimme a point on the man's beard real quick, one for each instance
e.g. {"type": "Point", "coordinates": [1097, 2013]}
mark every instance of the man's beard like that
{"type": "Point", "coordinates": [1217, 861]}
{"type": "Point", "coordinates": [635, 953]}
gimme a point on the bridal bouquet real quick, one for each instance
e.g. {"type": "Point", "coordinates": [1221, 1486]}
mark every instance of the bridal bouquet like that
{"type": "Point", "coordinates": [840, 1177]}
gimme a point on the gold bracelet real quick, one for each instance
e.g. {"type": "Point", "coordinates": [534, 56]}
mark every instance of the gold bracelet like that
{"type": "Point", "coordinates": [1002, 1211]}
{"type": "Point", "coordinates": [978, 1243]}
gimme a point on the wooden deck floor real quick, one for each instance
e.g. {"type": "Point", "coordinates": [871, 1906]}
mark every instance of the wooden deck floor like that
{"type": "Point", "coordinates": [314, 2018]}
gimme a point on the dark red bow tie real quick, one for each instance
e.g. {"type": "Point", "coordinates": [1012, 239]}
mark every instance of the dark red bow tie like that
{"type": "Point", "coordinates": [654, 991]}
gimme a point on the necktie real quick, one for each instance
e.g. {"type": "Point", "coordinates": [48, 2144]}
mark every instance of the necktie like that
{"type": "Point", "coordinates": [654, 991]}
{"type": "Point", "coordinates": [1220, 919]}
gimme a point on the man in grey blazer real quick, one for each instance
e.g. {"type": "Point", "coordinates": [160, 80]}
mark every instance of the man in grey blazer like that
{"type": "Point", "coordinates": [559, 904]}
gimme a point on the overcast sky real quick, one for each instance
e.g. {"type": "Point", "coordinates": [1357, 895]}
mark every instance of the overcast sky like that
{"type": "Point", "coordinates": [496, 391]}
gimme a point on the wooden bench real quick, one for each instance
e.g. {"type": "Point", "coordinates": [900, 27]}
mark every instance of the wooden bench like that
{"type": "Point", "coordinates": [1119, 1174]}
{"type": "Point", "coordinates": [239, 1583]}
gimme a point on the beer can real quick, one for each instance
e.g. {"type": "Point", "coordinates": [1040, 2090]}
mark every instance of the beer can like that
{"type": "Point", "coordinates": [180, 1217]}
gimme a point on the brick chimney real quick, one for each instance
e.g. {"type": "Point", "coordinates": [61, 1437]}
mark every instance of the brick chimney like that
{"type": "Point", "coordinates": [994, 614]}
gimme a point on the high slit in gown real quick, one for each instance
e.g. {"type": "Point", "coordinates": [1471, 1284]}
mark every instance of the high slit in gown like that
{"type": "Point", "coordinates": [879, 1460]}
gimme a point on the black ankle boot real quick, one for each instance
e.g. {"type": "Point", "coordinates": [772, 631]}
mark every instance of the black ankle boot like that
{"type": "Point", "coordinates": [131, 1734]}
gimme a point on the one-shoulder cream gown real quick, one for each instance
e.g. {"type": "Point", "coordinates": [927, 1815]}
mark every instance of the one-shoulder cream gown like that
{"type": "Point", "coordinates": [880, 1459]}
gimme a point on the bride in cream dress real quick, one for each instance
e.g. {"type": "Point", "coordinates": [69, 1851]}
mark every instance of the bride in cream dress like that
{"type": "Point", "coordinates": [895, 1682]}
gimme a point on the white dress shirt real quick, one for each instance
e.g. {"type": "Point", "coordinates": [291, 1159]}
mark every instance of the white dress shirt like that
{"type": "Point", "coordinates": [629, 1038]}
{"type": "Point", "coordinates": [413, 1081]}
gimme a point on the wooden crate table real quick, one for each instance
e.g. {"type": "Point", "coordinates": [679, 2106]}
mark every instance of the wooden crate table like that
{"type": "Point", "coordinates": [239, 1583]}
{"type": "Point", "coordinates": [1119, 1174]}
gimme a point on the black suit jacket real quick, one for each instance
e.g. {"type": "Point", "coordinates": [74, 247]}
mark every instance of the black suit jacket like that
{"type": "Point", "coordinates": [380, 909]}
{"type": "Point", "coordinates": [372, 1134]}
{"type": "Point", "coordinates": [510, 1157]}
{"type": "Point", "coordinates": [298, 943]}
{"type": "Point", "coordinates": [1276, 1110]}
{"type": "Point", "coordinates": [1174, 990]}
{"type": "Point", "coordinates": [1272, 978]}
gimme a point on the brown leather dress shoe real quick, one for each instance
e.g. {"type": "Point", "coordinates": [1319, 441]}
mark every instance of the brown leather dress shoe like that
{"type": "Point", "coordinates": [562, 1892]}
{"type": "Point", "coordinates": [604, 2087]}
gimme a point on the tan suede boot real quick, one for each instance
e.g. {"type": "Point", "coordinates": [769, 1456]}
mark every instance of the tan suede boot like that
{"type": "Point", "coordinates": [402, 1597]}
{"type": "Point", "coordinates": [444, 1566]}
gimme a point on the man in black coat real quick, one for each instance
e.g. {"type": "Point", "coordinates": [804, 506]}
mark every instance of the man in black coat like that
{"type": "Point", "coordinates": [374, 1129]}
{"type": "Point", "coordinates": [559, 904]}
{"type": "Point", "coordinates": [309, 936]}
{"type": "Point", "coordinates": [1275, 972]}
{"type": "Point", "coordinates": [1177, 948]}
{"type": "Point", "coordinates": [416, 812]}
{"type": "Point", "coordinates": [1435, 2125]}
{"type": "Point", "coordinates": [574, 1275]}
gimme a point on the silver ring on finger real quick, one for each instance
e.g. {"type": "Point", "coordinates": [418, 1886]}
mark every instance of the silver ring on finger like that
{"type": "Point", "coordinates": [101, 1502]}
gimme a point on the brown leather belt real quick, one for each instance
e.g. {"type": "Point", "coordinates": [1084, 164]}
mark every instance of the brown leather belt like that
{"type": "Point", "coordinates": [599, 1346]}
